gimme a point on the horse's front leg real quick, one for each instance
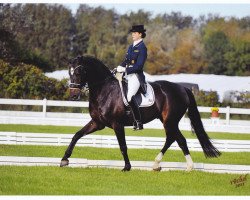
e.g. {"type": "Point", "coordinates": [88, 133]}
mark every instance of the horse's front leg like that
{"type": "Point", "coordinates": [120, 134]}
{"type": "Point", "coordinates": [91, 127]}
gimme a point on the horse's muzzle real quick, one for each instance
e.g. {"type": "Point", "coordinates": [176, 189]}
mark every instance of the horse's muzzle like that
{"type": "Point", "coordinates": [75, 94]}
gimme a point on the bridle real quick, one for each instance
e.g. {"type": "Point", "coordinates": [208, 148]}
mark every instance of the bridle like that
{"type": "Point", "coordinates": [85, 87]}
{"type": "Point", "coordinates": [79, 86]}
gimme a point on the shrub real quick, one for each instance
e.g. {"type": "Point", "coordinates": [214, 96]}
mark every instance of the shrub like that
{"type": "Point", "coordinates": [207, 98]}
{"type": "Point", "coordinates": [24, 81]}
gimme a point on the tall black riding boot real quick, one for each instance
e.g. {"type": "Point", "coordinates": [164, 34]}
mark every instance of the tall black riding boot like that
{"type": "Point", "coordinates": [136, 114]}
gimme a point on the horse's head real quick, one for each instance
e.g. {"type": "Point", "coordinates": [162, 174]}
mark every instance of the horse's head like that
{"type": "Point", "coordinates": [78, 77]}
{"type": "Point", "coordinates": [85, 70]}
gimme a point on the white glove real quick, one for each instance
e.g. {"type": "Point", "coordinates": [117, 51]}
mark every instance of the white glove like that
{"type": "Point", "coordinates": [120, 69]}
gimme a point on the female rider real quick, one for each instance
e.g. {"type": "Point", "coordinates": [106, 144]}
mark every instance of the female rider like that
{"type": "Point", "coordinates": [132, 66]}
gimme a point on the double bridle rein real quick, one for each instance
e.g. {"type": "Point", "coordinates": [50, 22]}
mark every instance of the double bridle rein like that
{"type": "Point", "coordinates": [86, 86]}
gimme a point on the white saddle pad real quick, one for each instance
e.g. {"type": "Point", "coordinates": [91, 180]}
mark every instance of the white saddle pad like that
{"type": "Point", "coordinates": [147, 100]}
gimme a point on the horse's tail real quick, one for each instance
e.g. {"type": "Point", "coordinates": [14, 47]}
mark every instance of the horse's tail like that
{"type": "Point", "coordinates": [196, 123]}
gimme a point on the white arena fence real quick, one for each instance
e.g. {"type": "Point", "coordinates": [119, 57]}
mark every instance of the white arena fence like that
{"type": "Point", "coordinates": [102, 141]}
{"type": "Point", "coordinates": [80, 119]}
{"type": "Point", "coordinates": [117, 164]}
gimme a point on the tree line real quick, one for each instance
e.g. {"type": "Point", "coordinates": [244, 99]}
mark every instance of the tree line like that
{"type": "Point", "coordinates": [45, 35]}
{"type": "Point", "coordinates": [37, 38]}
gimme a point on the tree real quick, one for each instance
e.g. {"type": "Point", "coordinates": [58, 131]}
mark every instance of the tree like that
{"type": "Point", "coordinates": [215, 48]}
{"type": "Point", "coordinates": [11, 50]}
{"type": "Point", "coordinates": [99, 34]}
{"type": "Point", "coordinates": [157, 61]}
{"type": "Point", "coordinates": [244, 23]}
{"type": "Point", "coordinates": [207, 98]}
{"type": "Point", "coordinates": [44, 35]}
{"type": "Point", "coordinates": [178, 20]}
{"type": "Point", "coordinates": [188, 55]}
{"type": "Point", "coordinates": [44, 29]}
{"type": "Point", "coordinates": [238, 59]}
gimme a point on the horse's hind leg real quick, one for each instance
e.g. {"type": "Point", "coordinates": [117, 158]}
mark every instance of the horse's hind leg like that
{"type": "Point", "coordinates": [170, 132]}
{"type": "Point", "coordinates": [91, 127]}
{"type": "Point", "coordinates": [183, 145]}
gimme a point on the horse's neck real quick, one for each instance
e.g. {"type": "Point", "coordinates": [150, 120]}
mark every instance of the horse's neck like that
{"type": "Point", "coordinates": [97, 74]}
{"type": "Point", "coordinates": [99, 92]}
{"type": "Point", "coordinates": [97, 80]}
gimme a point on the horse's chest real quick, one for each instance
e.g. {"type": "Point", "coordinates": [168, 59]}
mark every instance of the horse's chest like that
{"type": "Point", "coordinates": [98, 114]}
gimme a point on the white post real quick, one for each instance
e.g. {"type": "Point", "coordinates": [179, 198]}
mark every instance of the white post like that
{"type": "Point", "coordinates": [44, 107]}
{"type": "Point", "coordinates": [58, 140]}
{"type": "Point", "coordinates": [228, 115]}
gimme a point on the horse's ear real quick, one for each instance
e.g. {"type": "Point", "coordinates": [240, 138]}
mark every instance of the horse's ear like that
{"type": "Point", "coordinates": [80, 58]}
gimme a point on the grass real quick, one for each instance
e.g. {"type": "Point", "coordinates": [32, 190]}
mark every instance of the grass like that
{"type": "Point", "coordinates": [108, 131]}
{"type": "Point", "coordinates": [92, 153]}
{"type": "Point", "coordinates": [98, 181]}
{"type": "Point", "coordinates": [17, 180]}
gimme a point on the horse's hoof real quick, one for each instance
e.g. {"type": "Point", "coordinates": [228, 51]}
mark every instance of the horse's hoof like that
{"type": "Point", "coordinates": [189, 168]}
{"type": "Point", "coordinates": [64, 163]}
{"type": "Point", "coordinates": [126, 168]}
{"type": "Point", "coordinates": [157, 169]}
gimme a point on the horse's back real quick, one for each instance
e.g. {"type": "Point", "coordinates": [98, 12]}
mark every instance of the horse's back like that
{"type": "Point", "coordinates": [175, 94]}
{"type": "Point", "coordinates": [171, 87]}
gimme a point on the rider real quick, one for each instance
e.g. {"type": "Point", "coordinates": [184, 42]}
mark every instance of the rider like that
{"type": "Point", "coordinates": [133, 68]}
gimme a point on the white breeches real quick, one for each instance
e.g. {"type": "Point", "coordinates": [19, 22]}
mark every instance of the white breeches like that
{"type": "Point", "coordinates": [133, 85]}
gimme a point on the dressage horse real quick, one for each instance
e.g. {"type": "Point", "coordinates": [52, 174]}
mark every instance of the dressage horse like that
{"type": "Point", "coordinates": [107, 109]}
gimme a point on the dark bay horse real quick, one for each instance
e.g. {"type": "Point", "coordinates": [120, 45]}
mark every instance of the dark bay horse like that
{"type": "Point", "coordinates": [107, 109]}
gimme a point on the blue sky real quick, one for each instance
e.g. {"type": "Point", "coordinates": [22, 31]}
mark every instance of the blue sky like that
{"type": "Point", "coordinates": [195, 10]}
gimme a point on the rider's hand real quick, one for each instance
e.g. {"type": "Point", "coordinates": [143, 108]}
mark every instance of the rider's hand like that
{"type": "Point", "coordinates": [120, 69]}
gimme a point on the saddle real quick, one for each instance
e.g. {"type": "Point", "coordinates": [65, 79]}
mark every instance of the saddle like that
{"type": "Point", "coordinates": [143, 100]}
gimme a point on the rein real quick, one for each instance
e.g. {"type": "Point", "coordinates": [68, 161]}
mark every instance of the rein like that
{"type": "Point", "coordinates": [85, 87]}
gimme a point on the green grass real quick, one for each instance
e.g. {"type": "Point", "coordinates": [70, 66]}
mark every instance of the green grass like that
{"type": "Point", "coordinates": [241, 158]}
{"type": "Point", "coordinates": [98, 181]}
{"type": "Point", "coordinates": [108, 131]}
{"type": "Point", "coordinates": [16, 180]}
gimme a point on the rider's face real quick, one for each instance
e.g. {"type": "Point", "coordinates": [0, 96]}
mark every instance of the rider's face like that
{"type": "Point", "coordinates": [136, 36]}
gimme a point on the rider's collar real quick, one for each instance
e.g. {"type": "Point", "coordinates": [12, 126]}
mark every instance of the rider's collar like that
{"type": "Point", "coordinates": [136, 42]}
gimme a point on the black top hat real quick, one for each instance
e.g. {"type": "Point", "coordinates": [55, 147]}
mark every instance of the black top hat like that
{"type": "Point", "coordinates": [138, 28]}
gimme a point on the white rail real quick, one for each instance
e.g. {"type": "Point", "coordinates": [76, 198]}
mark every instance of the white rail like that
{"type": "Point", "coordinates": [117, 164]}
{"type": "Point", "coordinates": [79, 119]}
{"type": "Point", "coordinates": [103, 141]}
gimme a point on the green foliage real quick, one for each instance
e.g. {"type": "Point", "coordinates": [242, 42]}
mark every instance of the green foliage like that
{"type": "Point", "coordinates": [9, 49]}
{"type": "Point", "coordinates": [237, 99]}
{"type": "Point", "coordinates": [238, 59]}
{"type": "Point", "coordinates": [45, 35]}
{"type": "Point", "coordinates": [207, 98]}
{"type": "Point", "coordinates": [44, 29]}
{"type": "Point", "coordinates": [27, 81]}
{"type": "Point", "coordinates": [227, 46]}
{"type": "Point", "coordinates": [178, 20]}
{"type": "Point", "coordinates": [215, 48]}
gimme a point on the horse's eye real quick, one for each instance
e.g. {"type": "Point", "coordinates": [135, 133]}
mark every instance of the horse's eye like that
{"type": "Point", "coordinates": [71, 70]}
